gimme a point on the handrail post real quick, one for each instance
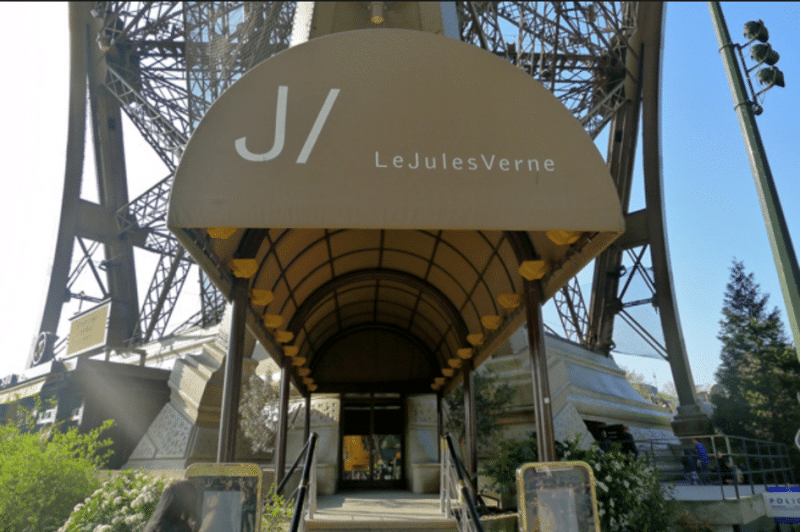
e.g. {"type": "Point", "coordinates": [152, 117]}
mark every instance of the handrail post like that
{"type": "Point", "coordinates": [297, 518]}
{"type": "Point", "coordinates": [719, 473]}
{"type": "Point", "coordinates": [465, 492]}
{"type": "Point", "coordinates": [733, 466]}
{"type": "Point", "coordinates": [749, 470]}
{"type": "Point", "coordinates": [282, 482]}
{"type": "Point", "coordinates": [312, 499]}
{"type": "Point", "coordinates": [443, 484]}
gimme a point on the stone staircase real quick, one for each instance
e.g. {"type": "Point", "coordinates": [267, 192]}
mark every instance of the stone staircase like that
{"type": "Point", "coordinates": [385, 511]}
{"type": "Point", "coordinates": [392, 511]}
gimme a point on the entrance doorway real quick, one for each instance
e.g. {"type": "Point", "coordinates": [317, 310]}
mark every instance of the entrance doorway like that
{"type": "Point", "coordinates": [372, 441]}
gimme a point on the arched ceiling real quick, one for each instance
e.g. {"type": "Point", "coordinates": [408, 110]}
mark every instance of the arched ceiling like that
{"type": "Point", "coordinates": [447, 290]}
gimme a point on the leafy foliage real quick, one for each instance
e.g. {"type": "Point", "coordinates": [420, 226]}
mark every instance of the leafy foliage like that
{"type": "Point", "coordinates": [277, 513]}
{"type": "Point", "coordinates": [492, 399]}
{"type": "Point", "coordinates": [45, 473]}
{"type": "Point", "coordinates": [758, 366]}
{"type": "Point", "coordinates": [254, 414]}
{"type": "Point", "coordinates": [122, 504]}
{"type": "Point", "coordinates": [629, 495]}
{"type": "Point", "coordinates": [258, 414]}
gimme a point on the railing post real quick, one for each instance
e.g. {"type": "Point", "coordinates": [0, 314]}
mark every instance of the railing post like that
{"type": "Point", "coordinates": [749, 470]}
{"type": "Point", "coordinates": [298, 520]}
{"type": "Point", "coordinates": [312, 496]}
{"type": "Point", "coordinates": [761, 462]}
{"type": "Point", "coordinates": [444, 488]}
{"type": "Point", "coordinates": [733, 466]}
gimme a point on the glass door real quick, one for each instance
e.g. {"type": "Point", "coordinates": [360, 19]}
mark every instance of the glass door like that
{"type": "Point", "coordinates": [372, 441]}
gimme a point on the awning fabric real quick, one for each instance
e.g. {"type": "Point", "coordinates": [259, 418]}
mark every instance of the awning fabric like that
{"type": "Point", "coordinates": [381, 180]}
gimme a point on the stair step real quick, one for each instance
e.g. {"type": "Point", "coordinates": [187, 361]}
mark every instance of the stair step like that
{"type": "Point", "coordinates": [433, 525]}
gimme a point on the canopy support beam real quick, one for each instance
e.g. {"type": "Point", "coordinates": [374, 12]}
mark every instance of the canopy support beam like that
{"type": "Point", "coordinates": [232, 385]}
{"type": "Point", "coordinates": [542, 409]}
{"type": "Point", "coordinates": [470, 421]}
{"type": "Point", "coordinates": [283, 420]}
{"type": "Point", "coordinates": [307, 423]}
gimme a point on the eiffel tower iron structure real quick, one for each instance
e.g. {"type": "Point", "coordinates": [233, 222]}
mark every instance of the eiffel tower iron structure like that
{"type": "Point", "coordinates": [162, 65]}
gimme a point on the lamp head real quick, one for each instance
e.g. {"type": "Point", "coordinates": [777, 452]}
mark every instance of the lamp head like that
{"type": "Point", "coordinates": [763, 53]}
{"type": "Point", "coordinates": [756, 30]}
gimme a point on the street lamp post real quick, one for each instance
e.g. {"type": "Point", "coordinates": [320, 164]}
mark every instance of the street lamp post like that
{"type": "Point", "coordinates": [746, 110]}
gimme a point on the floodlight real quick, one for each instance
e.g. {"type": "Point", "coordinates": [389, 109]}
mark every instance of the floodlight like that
{"type": "Point", "coordinates": [756, 30]}
{"type": "Point", "coordinates": [771, 76]}
{"type": "Point", "coordinates": [763, 53]}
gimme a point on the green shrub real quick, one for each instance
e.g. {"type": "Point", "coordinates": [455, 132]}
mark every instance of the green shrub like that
{"type": "Point", "coordinates": [277, 512]}
{"type": "Point", "coordinates": [45, 473]}
{"type": "Point", "coordinates": [629, 494]}
{"type": "Point", "coordinates": [502, 466]}
{"type": "Point", "coordinates": [122, 504]}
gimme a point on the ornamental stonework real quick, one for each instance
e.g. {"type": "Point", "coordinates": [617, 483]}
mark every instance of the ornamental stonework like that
{"type": "Point", "coordinates": [422, 410]}
{"type": "Point", "coordinates": [170, 432]}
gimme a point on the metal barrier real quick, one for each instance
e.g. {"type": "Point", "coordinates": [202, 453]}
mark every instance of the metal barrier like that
{"type": "Point", "coordinates": [454, 488]}
{"type": "Point", "coordinates": [305, 495]}
{"type": "Point", "coordinates": [755, 462]}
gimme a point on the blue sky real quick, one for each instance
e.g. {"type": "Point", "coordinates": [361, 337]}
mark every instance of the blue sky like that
{"type": "Point", "coordinates": [713, 214]}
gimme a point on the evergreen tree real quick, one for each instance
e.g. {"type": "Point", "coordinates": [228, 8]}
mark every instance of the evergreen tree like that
{"type": "Point", "coordinates": [758, 372]}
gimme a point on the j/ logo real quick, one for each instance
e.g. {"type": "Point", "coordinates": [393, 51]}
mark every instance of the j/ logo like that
{"type": "Point", "coordinates": [280, 130]}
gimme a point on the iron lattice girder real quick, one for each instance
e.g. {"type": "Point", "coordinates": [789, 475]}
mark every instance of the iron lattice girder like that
{"type": "Point", "coordinates": [170, 60]}
{"type": "Point", "coordinates": [164, 290]}
{"type": "Point", "coordinates": [577, 50]}
{"type": "Point", "coordinates": [572, 311]}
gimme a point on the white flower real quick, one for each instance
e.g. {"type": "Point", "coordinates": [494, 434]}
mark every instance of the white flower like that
{"type": "Point", "coordinates": [602, 486]}
{"type": "Point", "coordinates": [134, 519]}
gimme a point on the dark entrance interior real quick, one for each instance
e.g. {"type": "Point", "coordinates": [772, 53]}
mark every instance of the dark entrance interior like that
{"type": "Point", "coordinates": [372, 441]}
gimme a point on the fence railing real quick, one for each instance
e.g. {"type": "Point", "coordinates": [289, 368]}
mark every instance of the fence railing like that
{"type": "Point", "coordinates": [456, 499]}
{"type": "Point", "coordinates": [305, 496]}
{"type": "Point", "coordinates": [743, 463]}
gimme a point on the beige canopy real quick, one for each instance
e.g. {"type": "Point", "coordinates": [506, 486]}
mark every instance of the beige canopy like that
{"type": "Point", "coordinates": [392, 186]}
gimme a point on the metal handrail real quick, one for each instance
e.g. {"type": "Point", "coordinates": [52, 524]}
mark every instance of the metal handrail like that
{"type": "Point", "coordinates": [305, 506]}
{"type": "Point", "coordinates": [756, 459]}
{"type": "Point", "coordinates": [285, 479]}
{"type": "Point", "coordinates": [452, 488]}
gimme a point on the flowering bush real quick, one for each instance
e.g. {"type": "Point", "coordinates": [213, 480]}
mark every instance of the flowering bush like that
{"type": "Point", "coordinates": [122, 504]}
{"type": "Point", "coordinates": [629, 494]}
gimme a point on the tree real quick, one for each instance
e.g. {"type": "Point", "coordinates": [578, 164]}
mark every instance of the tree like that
{"type": "Point", "coordinates": [758, 372]}
{"type": "Point", "coordinates": [492, 400]}
{"type": "Point", "coordinates": [258, 411]}
{"type": "Point", "coordinates": [638, 382]}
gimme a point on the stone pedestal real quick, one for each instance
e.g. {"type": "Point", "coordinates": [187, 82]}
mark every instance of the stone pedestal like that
{"type": "Point", "coordinates": [422, 444]}
{"type": "Point", "coordinates": [690, 422]}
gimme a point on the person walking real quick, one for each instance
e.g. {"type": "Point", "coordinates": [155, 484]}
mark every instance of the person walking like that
{"type": "Point", "coordinates": [702, 461]}
{"type": "Point", "coordinates": [689, 462]}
